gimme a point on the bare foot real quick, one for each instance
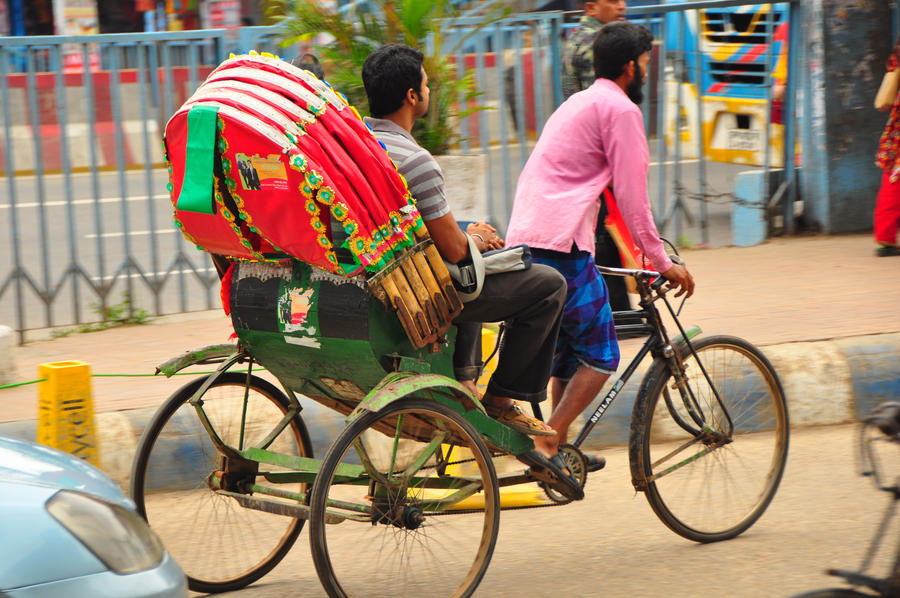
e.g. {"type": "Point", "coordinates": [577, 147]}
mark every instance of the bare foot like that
{"type": "Point", "coordinates": [546, 445]}
{"type": "Point", "coordinates": [470, 386]}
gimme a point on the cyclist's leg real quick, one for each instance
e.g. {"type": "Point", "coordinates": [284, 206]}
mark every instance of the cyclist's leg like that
{"type": "Point", "coordinates": [591, 351]}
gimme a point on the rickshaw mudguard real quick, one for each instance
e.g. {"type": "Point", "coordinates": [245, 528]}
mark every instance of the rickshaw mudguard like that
{"type": "Point", "coordinates": [450, 393]}
{"type": "Point", "coordinates": [208, 354]}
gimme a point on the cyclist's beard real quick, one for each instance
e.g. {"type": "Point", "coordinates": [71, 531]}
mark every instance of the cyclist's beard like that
{"type": "Point", "coordinates": [635, 90]}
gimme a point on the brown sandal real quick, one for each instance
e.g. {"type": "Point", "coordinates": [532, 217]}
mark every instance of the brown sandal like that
{"type": "Point", "coordinates": [512, 415]}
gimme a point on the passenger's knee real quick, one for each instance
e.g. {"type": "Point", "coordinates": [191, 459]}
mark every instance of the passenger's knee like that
{"type": "Point", "coordinates": [551, 283]}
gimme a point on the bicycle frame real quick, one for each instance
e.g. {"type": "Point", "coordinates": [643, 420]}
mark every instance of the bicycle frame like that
{"type": "Point", "coordinates": [650, 289]}
{"type": "Point", "coordinates": [891, 585]}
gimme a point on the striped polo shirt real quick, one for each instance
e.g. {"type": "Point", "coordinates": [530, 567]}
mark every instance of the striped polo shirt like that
{"type": "Point", "coordinates": [418, 167]}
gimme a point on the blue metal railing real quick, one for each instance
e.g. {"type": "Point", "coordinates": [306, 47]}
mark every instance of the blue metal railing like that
{"type": "Point", "coordinates": [85, 194]}
{"type": "Point", "coordinates": [80, 140]}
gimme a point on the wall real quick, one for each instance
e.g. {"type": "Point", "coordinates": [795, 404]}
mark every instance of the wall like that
{"type": "Point", "coordinates": [847, 44]}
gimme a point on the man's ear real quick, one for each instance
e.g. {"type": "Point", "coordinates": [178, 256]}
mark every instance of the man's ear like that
{"type": "Point", "coordinates": [412, 95]}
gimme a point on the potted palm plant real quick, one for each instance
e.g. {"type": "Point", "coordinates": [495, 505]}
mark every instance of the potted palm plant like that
{"type": "Point", "coordinates": [417, 23]}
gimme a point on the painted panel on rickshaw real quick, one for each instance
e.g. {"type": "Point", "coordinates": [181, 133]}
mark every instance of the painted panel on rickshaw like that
{"type": "Point", "coordinates": [320, 338]}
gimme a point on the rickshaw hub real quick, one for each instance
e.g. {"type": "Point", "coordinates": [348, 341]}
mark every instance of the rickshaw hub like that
{"type": "Point", "coordinates": [402, 516]}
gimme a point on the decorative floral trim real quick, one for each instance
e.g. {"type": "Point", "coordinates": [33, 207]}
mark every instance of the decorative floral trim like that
{"type": "Point", "coordinates": [242, 214]}
{"type": "Point", "coordinates": [371, 249]}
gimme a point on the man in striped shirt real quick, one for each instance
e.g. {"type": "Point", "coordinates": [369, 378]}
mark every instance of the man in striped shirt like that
{"type": "Point", "coordinates": [529, 301]}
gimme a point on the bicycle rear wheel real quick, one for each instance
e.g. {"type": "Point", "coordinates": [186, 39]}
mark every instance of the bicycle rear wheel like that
{"type": "Point", "coordinates": [377, 530]}
{"type": "Point", "coordinates": [220, 545]}
{"type": "Point", "coordinates": [705, 483]}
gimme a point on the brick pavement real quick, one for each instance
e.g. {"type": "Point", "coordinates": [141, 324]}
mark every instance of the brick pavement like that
{"type": "Point", "coordinates": [786, 290]}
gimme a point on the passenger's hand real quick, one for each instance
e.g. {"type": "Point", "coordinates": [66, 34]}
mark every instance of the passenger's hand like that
{"type": "Point", "coordinates": [680, 278]}
{"type": "Point", "coordinates": [486, 234]}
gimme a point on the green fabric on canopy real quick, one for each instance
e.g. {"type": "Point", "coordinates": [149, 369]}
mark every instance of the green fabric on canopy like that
{"type": "Point", "coordinates": [197, 188]}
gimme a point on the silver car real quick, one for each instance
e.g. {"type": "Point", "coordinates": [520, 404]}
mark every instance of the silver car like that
{"type": "Point", "coordinates": [68, 530]}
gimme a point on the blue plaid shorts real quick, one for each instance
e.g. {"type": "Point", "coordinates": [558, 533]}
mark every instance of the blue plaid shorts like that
{"type": "Point", "coordinates": [587, 334]}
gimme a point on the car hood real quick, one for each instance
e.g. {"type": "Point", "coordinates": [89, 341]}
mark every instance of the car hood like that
{"type": "Point", "coordinates": [30, 463]}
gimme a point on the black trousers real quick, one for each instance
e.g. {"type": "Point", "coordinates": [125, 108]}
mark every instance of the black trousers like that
{"type": "Point", "coordinates": [530, 302]}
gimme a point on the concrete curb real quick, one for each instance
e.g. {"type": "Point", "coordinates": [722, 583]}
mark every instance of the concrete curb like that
{"type": "Point", "coordinates": [826, 382]}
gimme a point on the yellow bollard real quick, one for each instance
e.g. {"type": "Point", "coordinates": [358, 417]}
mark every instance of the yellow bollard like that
{"type": "Point", "coordinates": [66, 410]}
{"type": "Point", "coordinates": [489, 333]}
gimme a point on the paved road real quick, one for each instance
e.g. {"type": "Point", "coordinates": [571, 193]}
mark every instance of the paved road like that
{"type": "Point", "coordinates": [612, 545]}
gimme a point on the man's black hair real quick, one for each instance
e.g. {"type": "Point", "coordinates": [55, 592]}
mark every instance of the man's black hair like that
{"type": "Point", "coordinates": [310, 63]}
{"type": "Point", "coordinates": [616, 45]}
{"type": "Point", "coordinates": [388, 73]}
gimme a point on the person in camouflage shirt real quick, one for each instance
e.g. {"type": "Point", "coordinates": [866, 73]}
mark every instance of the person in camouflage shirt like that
{"type": "Point", "coordinates": [578, 57]}
{"type": "Point", "coordinates": [578, 75]}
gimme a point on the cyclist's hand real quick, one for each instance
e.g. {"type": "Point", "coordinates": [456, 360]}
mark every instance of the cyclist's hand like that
{"type": "Point", "coordinates": [679, 277]}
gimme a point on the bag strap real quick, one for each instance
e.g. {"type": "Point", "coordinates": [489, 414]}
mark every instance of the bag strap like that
{"type": "Point", "coordinates": [469, 274]}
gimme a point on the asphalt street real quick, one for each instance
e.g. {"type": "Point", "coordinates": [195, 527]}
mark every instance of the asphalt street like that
{"type": "Point", "coordinates": [612, 545]}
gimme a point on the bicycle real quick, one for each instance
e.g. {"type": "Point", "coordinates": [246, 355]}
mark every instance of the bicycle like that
{"type": "Point", "coordinates": [882, 426]}
{"type": "Point", "coordinates": [406, 500]}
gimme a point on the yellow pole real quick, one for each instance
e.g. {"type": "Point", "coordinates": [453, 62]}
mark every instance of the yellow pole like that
{"type": "Point", "coordinates": [66, 410]}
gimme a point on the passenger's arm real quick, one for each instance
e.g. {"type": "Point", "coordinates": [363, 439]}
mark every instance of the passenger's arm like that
{"type": "Point", "coordinates": [449, 239]}
{"type": "Point", "coordinates": [452, 243]}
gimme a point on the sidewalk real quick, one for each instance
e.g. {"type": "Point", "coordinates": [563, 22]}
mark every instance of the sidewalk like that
{"type": "Point", "coordinates": [824, 309]}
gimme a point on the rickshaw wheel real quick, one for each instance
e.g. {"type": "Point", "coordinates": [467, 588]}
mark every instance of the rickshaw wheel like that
{"type": "Point", "coordinates": [396, 538]}
{"type": "Point", "coordinates": [219, 545]}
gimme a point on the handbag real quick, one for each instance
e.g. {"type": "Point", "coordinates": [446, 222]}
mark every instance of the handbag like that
{"type": "Point", "coordinates": [887, 93]}
{"type": "Point", "coordinates": [468, 275]}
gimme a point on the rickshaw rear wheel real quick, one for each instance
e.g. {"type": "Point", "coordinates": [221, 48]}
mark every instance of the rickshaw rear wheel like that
{"type": "Point", "coordinates": [393, 538]}
{"type": "Point", "coordinates": [220, 545]}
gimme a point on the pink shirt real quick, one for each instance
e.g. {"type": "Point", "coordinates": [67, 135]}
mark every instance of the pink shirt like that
{"type": "Point", "coordinates": [596, 138]}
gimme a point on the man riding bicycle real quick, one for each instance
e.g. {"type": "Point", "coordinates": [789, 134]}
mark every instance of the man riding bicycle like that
{"type": "Point", "coordinates": [555, 212]}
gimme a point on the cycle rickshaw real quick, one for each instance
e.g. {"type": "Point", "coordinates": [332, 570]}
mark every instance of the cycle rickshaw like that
{"type": "Point", "coordinates": [406, 501]}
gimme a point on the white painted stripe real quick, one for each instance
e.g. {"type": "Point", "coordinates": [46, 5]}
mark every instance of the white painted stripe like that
{"type": "Point", "coordinates": [153, 274]}
{"type": "Point", "coordinates": [82, 202]}
{"type": "Point", "coordinates": [102, 173]}
{"type": "Point", "coordinates": [135, 233]}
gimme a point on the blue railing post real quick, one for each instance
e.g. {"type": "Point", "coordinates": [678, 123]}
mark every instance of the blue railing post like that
{"type": "Point", "coordinates": [789, 103]}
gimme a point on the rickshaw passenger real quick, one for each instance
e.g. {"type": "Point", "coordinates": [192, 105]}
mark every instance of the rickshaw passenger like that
{"type": "Point", "coordinates": [556, 206]}
{"type": "Point", "coordinates": [530, 301]}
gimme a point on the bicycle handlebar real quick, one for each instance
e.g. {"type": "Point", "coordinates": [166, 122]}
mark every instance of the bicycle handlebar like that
{"type": "Point", "coordinates": [628, 272]}
{"type": "Point", "coordinates": [659, 281]}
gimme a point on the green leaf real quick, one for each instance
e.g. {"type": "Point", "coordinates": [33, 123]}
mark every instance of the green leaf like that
{"type": "Point", "coordinates": [417, 23]}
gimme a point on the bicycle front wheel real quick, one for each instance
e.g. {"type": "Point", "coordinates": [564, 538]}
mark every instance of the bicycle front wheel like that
{"type": "Point", "coordinates": [220, 545]}
{"type": "Point", "coordinates": [705, 478]}
{"type": "Point", "coordinates": [382, 519]}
